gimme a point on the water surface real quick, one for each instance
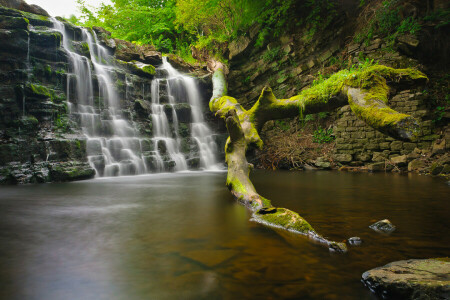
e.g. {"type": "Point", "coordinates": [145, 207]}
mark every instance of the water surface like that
{"type": "Point", "coordinates": [182, 236]}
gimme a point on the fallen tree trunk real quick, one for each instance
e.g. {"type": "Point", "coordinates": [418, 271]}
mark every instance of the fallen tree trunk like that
{"type": "Point", "coordinates": [365, 90]}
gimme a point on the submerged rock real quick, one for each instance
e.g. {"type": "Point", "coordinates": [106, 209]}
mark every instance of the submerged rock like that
{"type": "Point", "coordinates": [411, 279]}
{"type": "Point", "coordinates": [355, 241]}
{"type": "Point", "coordinates": [384, 226]}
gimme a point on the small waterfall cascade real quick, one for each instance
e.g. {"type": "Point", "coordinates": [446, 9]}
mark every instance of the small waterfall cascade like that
{"type": "Point", "coordinates": [178, 138]}
{"type": "Point", "coordinates": [181, 91]}
{"type": "Point", "coordinates": [113, 145]}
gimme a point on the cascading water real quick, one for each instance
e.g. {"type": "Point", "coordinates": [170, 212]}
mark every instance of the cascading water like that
{"type": "Point", "coordinates": [181, 88]}
{"type": "Point", "coordinates": [114, 145]}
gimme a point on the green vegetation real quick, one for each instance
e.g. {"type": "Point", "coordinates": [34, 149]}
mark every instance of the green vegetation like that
{"type": "Point", "coordinates": [323, 136]}
{"type": "Point", "coordinates": [174, 26]}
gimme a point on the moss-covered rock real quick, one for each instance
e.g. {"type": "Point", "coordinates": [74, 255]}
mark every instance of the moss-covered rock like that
{"type": "Point", "coordinates": [71, 171]}
{"type": "Point", "coordinates": [411, 279]}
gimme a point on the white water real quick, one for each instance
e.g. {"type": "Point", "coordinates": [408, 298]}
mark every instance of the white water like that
{"type": "Point", "coordinates": [182, 86]}
{"type": "Point", "coordinates": [114, 146]}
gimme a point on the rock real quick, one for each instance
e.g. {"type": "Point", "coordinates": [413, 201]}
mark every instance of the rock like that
{"type": "Point", "coordinates": [337, 247]}
{"type": "Point", "coordinates": [400, 161]}
{"type": "Point", "coordinates": [377, 167]}
{"type": "Point", "coordinates": [378, 157]}
{"type": "Point", "coordinates": [384, 226]}
{"type": "Point", "coordinates": [355, 241]}
{"type": "Point", "coordinates": [193, 163]}
{"type": "Point", "coordinates": [71, 171]}
{"type": "Point", "coordinates": [322, 163]}
{"type": "Point", "coordinates": [23, 6]}
{"type": "Point", "coordinates": [126, 51]}
{"type": "Point", "coordinates": [238, 46]}
{"type": "Point", "coordinates": [416, 165]}
{"type": "Point", "coordinates": [343, 158]}
{"type": "Point", "coordinates": [411, 279]}
{"type": "Point", "coordinates": [438, 147]}
{"type": "Point", "coordinates": [436, 168]}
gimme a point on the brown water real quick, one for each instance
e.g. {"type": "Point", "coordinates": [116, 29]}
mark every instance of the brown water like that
{"type": "Point", "coordinates": [181, 236]}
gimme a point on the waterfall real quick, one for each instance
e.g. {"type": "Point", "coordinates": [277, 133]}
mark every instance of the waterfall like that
{"type": "Point", "coordinates": [182, 88]}
{"type": "Point", "coordinates": [114, 145]}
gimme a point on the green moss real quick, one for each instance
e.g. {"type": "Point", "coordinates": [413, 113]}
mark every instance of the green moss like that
{"type": "Point", "coordinates": [40, 90]}
{"type": "Point", "coordinates": [85, 48]}
{"type": "Point", "coordinates": [149, 69]}
{"type": "Point", "coordinates": [287, 219]}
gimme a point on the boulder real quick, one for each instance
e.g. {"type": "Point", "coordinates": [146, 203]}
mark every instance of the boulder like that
{"type": "Point", "coordinates": [383, 226]}
{"type": "Point", "coordinates": [23, 6]}
{"type": "Point", "coordinates": [416, 165]}
{"type": "Point", "coordinates": [238, 46]}
{"type": "Point", "coordinates": [438, 147]}
{"type": "Point", "coordinates": [411, 279]}
{"type": "Point", "coordinates": [400, 161]}
{"type": "Point", "coordinates": [343, 158]}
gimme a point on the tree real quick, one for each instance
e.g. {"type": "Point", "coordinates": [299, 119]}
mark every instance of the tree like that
{"type": "Point", "coordinates": [366, 90]}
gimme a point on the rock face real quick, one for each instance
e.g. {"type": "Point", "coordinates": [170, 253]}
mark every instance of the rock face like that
{"type": "Point", "coordinates": [411, 279]}
{"type": "Point", "coordinates": [42, 137]}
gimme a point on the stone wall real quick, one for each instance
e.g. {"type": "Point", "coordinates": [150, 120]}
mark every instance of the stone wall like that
{"type": "Point", "coordinates": [292, 62]}
{"type": "Point", "coordinates": [358, 144]}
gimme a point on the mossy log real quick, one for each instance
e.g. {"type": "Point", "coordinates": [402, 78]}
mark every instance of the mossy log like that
{"type": "Point", "coordinates": [366, 91]}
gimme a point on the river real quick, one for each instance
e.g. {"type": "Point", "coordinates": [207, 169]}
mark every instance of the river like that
{"type": "Point", "coordinates": [182, 236]}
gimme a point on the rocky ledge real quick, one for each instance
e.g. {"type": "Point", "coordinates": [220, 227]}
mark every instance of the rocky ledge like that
{"type": "Point", "coordinates": [411, 279]}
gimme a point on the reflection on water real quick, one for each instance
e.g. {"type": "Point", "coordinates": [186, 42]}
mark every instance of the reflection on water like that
{"type": "Point", "coordinates": [181, 236]}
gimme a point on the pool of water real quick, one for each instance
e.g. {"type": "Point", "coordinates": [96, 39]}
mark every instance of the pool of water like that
{"type": "Point", "coordinates": [182, 236]}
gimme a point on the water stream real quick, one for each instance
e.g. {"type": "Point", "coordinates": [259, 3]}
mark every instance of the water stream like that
{"type": "Point", "coordinates": [114, 145]}
{"type": "Point", "coordinates": [182, 236]}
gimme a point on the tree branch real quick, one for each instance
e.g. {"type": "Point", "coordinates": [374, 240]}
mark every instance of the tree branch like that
{"type": "Point", "coordinates": [365, 90]}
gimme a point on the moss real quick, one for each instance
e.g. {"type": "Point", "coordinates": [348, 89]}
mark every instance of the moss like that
{"type": "Point", "coordinates": [40, 90]}
{"type": "Point", "coordinates": [149, 69]}
{"type": "Point", "coordinates": [287, 219]}
{"type": "Point", "coordinates": [85, 48]}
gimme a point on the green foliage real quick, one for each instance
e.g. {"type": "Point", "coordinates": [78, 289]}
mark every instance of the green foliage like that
{"type": "Point", "coordinates": [62, 123]}
{"type": "Point", "coordinates": [283, 125]}
{"type": "Point", "coordinates": [439, 17]}
{"type": "Point", "coordinates": [321, 14]}
{"type": "Point", "coordinates": [387, 22]}
{"type": "Point", "coordinates": [323, 136]}
{"type": "Point", "coordinates": [272, 54]}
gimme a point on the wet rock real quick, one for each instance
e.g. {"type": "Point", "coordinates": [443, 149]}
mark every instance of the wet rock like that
{"type": "Point", "coordinates": [71, 171]}
{"type": "Point", "coordinates": [7, 22]}
{"type": "Point", "coordinates": [384, 226]}
{"type": "Point", "coordinates": [193, 163]}
{"type": "Point", "coordinates": [355, 241]}
{"type": "Point", "coordinates": [334, 247]}
{"type": "Point", "coordinates": [411, 279]}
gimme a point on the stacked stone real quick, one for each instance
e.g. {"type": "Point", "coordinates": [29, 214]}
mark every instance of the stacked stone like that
{"type": "Point", "coordinates": [358, 144]}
